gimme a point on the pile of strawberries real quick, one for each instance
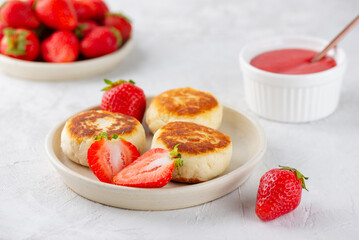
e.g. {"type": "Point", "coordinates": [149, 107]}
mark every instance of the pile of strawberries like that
{"type": "Point", "coordinates": [60, 31]}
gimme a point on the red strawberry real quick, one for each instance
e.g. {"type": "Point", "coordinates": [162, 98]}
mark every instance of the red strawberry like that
{"type": "Point", "coordinates": [83, 10]}
{"type": "Point", "coordinates": [279, 192]}
{"type": "Point", "coordinates": [100, 9]}
{"type": "Point", "coordinates": [124, 97]}
{"type": "Point", "coordinates": [20, 43]}
{"type": "Point", "coordinates": [90, 9]}
{"type": "Point", "coordinates": [18, 14]}
{"type": "Point", "coordinates": [100, 41]}
{"type": "Point", "coordinates": [60, 47]}
{"type": "Point", "coordinates": [151, 170]}
{"type": "Point", "coordinates": [58, 14]}
{"type": "Point", "coordinates": [119, 21]}
{"type": "Point", "coordinates": [2, 27]}
{"type": "Point", "coordinates": [85, 27]}
{"type": "Point", "coordinates": [108, 157]}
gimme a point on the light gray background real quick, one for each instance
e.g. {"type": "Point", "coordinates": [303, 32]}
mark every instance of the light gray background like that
{"type": "Point", "coordinates": [189, 43]}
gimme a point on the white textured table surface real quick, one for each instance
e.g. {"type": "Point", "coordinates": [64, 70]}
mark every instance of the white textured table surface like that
{"type": "Point", "coordinates": [189, 43]}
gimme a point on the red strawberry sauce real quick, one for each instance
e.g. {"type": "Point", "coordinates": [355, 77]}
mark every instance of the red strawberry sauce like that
{"type": "Point", "coordinates": [291, 61]}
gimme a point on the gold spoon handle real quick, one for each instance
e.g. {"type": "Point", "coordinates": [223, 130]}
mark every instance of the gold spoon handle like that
{"type": "Point", "coordinates": [335, 40]}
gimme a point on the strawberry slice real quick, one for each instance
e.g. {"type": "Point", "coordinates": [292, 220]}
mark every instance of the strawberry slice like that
{"type": "Point", "coordinates": [108, 157]}
{"type": "Point", "coordinates": [152, 170]}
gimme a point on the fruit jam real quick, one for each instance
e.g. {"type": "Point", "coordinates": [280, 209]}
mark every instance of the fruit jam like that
{"type": "Point", "coordinates": [292, 61]}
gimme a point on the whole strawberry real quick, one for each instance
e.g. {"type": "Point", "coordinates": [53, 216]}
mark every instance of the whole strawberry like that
{"type": "Point", "coordinates": [124, 97]}
{"type": "Point", "coordinates": [100, 41]}
{"type": "Point", "coordinates": [90, 9]}
{"type": "Point", "coordinates": [20, 43]}
{"type": "Point", "coordinates": [60, 47]}
{"type": "Point", "coordinates": [18, 14]}
{"type": "Point", "coordinates": [279, 192]}
{"type": "Point", "coordinates": [57, 14]}
{"type": "Point", "coordinates": [119, 21]}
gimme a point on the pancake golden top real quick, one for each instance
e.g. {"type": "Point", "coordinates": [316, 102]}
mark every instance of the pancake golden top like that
{"type": "Point", "coordinates": [185, 101]}
{"type": "Point", "coordinates": [94, 122]}
{"type": "Point", "coordinates": [192, 138]}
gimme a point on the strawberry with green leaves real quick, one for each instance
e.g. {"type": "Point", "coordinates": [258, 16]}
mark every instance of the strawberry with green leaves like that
{"type": "Point", "coordinates": [120, 22]}
{"type": "Point", "coordinates": [279, 192]}
{"type": "Point", "coordinates": [20, 43]}
{"type": "Point", "coordinates": [151, 170]}
{"type": "Point", "coordinates": [124, 97]}
{"type": "Point", "coordinates": [100, 41]}
{"type": "Point", "coordinates": [18, 14]}
{"type": "Point", "coordinates": [106, 157]}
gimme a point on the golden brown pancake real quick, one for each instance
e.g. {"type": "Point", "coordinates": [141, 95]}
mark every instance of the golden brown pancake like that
{"type": "Point", "coordinates": [205, 152]}
{"type": "Point", "coordinates": [79, 132]}
{"type": "Point", "coordinates": [192, 138]}
{"type": "Point", "coordinates": [185, 101]}
{"type": "Point", "coordinates": [184, 104]}
{"type": "Point", "coordinates": [89, 124]}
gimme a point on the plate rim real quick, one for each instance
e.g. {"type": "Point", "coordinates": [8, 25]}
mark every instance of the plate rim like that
{"type": "Point", "coordinates": [191, 187]}
{"type": "Point", "coordinates": [128, 44]}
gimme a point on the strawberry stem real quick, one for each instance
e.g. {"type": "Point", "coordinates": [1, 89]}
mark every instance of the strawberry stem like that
{"type": "Point", "coordinates": [101, 136]}
{"type": "Point", "coordinates": [114, 84]}
{"type": "Point", "coordinates": [177, 159]}
{"type": "Point", "coordinates": [17, 41]}
{"type": "Point", "coordinates": [298, 174]}
{"type": "Point", "coordinates": [105, 135]}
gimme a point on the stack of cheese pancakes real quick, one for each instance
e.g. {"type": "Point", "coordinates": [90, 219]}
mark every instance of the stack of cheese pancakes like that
{"type": "Point", "coordinates": [183, 116]}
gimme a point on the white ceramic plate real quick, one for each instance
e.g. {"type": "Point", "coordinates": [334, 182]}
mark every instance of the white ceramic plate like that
{"type": "Point", "coordinates": [249, 145]}
{"type": "Point", "coordinates": [43, 71]}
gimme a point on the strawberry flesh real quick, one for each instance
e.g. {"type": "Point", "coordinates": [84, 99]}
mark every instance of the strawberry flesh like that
{"type": "Point", "coordinates": [108, 157]}
{"type": "Point", "coordinates": [151, 170]}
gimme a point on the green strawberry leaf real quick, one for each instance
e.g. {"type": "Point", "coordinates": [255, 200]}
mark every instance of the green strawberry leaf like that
{"type": "Point", "coordinates": [114, 84]}
{"type": "Point", "coordinates": [101, 136]}
{"type": "Point", "coordinates": [16, 41]}
{"type": "Point", "coordinates": [177, 158]}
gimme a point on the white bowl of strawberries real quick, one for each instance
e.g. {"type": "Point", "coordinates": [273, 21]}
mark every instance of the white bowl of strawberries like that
{"type": "Point", "coordinates": [61, 39]}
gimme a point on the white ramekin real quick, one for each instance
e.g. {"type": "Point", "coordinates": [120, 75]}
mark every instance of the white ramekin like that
{"type": "Point", "coordinates": [291, 98]}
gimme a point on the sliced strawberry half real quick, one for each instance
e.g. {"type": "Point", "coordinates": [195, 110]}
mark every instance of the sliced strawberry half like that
{"type": "Point", "coordinates": [108, 157]}
{"type": "Point", "coordinates": [152, 170]}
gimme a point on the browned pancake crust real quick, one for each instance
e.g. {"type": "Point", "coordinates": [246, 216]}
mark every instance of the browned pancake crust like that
{"type": "Point", "coordinates": [185, 101]}
{"type": "Point", "coordinates": [82, 125]}
{"type": "Point", "coordinates": [192, 138]}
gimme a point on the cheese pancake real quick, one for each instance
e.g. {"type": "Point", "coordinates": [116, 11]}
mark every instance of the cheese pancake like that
{"type": "Point", "coordinates": [184, 104]}
{"type": "Point", "coordinates": [205, 152]}
{"type": "Point", "coordinates": [79, 132]}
